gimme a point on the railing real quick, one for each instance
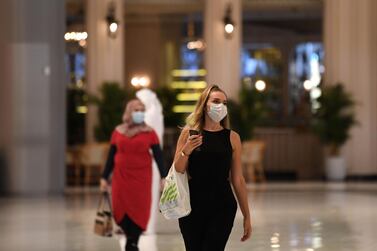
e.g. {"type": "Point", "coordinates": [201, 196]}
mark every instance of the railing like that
{"type": "Point", "coordinates": [287, 151]}
{"type": "Point", "coordinates": [291, 151]}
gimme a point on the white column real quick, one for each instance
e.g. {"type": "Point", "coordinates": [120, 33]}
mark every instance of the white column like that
{"type": "Point", "coordinates": [351, 58]}
{"type": "Point", "coordinates": [222, 55]}
{"type": "Point", "coordinates": [105, 55]}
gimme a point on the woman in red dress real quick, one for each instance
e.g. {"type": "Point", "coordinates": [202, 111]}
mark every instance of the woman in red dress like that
{"type": "Point", "coordinates": [130, 162]}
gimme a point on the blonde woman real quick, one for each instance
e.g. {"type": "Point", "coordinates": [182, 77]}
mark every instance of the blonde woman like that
{"type": "Point", "coordinates": [212, 159]}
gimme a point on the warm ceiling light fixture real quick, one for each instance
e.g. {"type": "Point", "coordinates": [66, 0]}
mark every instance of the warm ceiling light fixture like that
{"type": "Point", "coordinates": [75, 36]}
{"type": "Point", "coordinates": [140, 81]}
{"type": "Point", "coordinates": [260, 85]}
{"type": "Point", "coordinates": [228, 22]}
{"type": "Point", "coordinates": [112, 22]}
{"type": "Point", "coordinates": [193, 42]}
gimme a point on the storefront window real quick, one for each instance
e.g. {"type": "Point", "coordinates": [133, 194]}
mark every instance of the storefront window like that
{"type": "Point", "coordinates": [306, 71]}
{"type": "Point", "coordinates": [262, 70]}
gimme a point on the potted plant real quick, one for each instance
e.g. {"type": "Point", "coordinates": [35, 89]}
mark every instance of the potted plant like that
{"type": "Point", "coordinates": [168, 99]}
{"type": "Point", "coordinates": [332, 122]}
{"type": "Point", "coordinates": [249, 112]}
{"type": "Point", "coordinates": [245, 115]}
{"type": "Point", "coordinates": [110, 102]}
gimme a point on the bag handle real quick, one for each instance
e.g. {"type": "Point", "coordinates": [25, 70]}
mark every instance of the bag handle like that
{"type": "Point", "coordinates": [104, 196]}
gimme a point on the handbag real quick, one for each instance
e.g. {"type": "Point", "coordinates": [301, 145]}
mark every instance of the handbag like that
{"type": "Point", "coordinates": [103, 224]}
{"type": "Point", "coordinates": [175, 198]}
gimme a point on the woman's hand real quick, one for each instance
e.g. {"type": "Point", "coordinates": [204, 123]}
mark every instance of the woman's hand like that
{"type": "Point", "coordinates": [103, 185]}
{"type": "Point", "coordinates": [246, 229]}
{"type": "Point", "coordinates": [192, 142]}
{"type": "Point", "coordinates": [185, 144]}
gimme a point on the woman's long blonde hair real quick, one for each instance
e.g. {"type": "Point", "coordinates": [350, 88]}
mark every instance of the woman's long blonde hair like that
{"type": "Point", "coordinates": [196, 119]}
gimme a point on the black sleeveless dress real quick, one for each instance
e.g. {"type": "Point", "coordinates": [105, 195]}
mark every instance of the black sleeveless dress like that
{"type": "Point", "coordinates": [208, 226]}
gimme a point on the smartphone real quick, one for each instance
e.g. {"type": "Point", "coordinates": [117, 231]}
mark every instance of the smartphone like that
{"type": "Point", "coordinates": [195, 132]}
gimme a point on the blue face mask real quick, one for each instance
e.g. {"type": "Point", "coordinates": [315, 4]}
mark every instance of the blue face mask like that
{"type": "Point", "coordinates": [138, 117]}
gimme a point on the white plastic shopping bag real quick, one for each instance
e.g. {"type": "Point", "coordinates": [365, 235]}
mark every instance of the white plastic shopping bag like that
{"type": "Point", "coordinates": [175, 198]}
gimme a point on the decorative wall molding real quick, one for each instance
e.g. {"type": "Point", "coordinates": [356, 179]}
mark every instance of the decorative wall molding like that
{"type": "Point", "coordinates": [187, 6]}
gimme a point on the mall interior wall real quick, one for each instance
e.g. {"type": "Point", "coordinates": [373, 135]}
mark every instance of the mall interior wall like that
{"type": "Point", "coordinates": [33, 86]}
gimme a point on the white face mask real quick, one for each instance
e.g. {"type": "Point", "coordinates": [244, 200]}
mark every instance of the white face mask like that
{"type": "Point", "coordinates": [138, 117]}
{"type": "Point", "coordinates": [217, 112]}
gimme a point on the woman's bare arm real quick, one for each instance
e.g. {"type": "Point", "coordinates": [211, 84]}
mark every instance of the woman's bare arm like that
{"type": "Point", "coordinates": [239, 183]}
{"type": "Point", "coordinates": [185, 144]}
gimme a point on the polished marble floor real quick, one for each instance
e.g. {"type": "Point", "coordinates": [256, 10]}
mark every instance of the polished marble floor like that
{"type": "Point", "coordinates": [290, 216]}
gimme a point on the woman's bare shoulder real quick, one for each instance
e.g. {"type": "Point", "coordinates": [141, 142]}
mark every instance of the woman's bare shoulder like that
{"type": "Point", "coordinates": [119, 127]}
{"type": "Point", "coordinates": [234, 135]}
{"type": "Point", "coordinates": [235, 139]}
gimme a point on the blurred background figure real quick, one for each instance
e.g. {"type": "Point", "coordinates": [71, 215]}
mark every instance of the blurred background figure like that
{"type": "Point", "coordinates": [153, 117]}
{"type": "Point", "coordinates": [130, 162]}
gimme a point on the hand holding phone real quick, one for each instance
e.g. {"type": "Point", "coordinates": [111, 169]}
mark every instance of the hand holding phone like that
{"type": "Point", "coordinates": [195, 132]}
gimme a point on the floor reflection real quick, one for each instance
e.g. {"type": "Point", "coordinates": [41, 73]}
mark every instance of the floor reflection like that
{"type": "Point", "coordinates": [147, 242]}
{"type": "Point", "coordinates": [294, 217]}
